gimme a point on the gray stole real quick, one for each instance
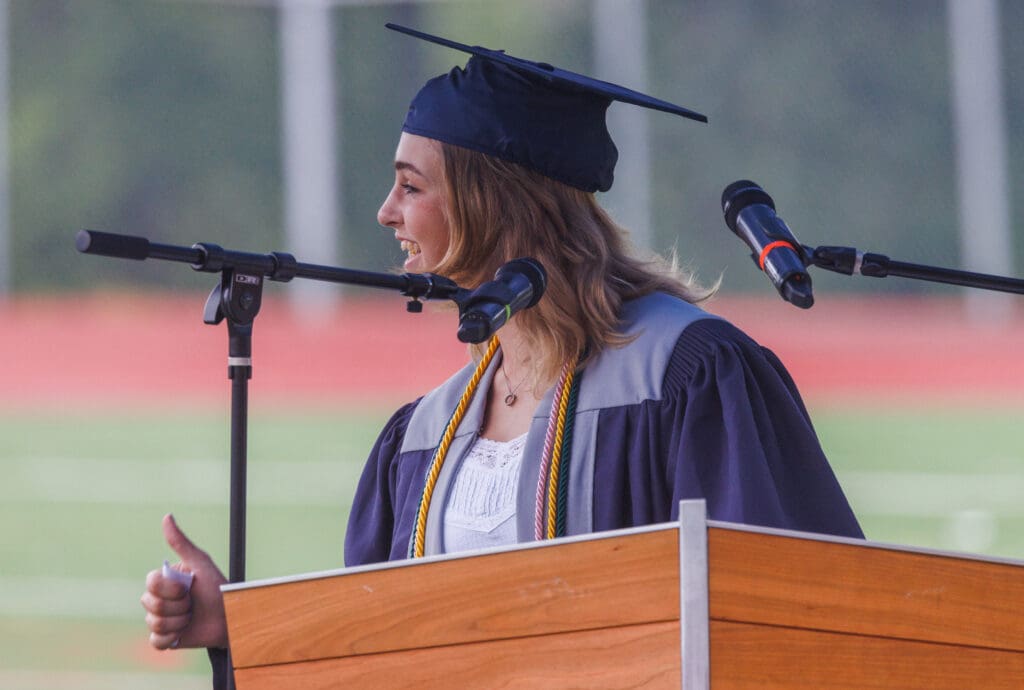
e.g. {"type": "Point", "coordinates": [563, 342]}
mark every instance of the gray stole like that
{"type": "Point", "coordinates": [619, 377]}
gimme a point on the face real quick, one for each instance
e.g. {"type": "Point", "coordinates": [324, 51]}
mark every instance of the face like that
{"type": "Point", "coordinates": [414, 208]}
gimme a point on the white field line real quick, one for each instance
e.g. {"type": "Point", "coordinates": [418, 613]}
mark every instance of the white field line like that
{"type": "Point", "coordinates": [101, 680]}
{"type": "Point", "coordinates": [188, 482]}
{"type": "Point", "coordinates": [68, 597]}
{"type": "Point", "coordinates": [329, 483]}
{"type": "Point", "coordinates": [934, 495]}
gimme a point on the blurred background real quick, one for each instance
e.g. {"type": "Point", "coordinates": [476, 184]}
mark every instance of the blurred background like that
{"type": "Point", "coordinates": [893, 127]}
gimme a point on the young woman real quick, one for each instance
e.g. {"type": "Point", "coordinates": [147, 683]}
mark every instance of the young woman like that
{"type": "Point", "coordinates": [601, 407]}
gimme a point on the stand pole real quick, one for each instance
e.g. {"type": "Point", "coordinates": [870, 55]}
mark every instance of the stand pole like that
{"type": "Point", "coordinates": [239, 371]}
{"type": "Point", "coordinates": [239, 431]}
{"type": "Point", "coordinates": [237, 300]}
{"type": "Point", "coordinates": [239, 376]}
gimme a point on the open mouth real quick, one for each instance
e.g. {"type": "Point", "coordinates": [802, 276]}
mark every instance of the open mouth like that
{"type": "Point", "coordinates": [411, 247]}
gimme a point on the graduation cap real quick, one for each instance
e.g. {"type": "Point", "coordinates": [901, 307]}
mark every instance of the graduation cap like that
{"type": "Point", "coordinates": [531, 113]}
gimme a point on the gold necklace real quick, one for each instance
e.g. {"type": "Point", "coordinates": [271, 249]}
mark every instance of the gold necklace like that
{"type": "Point", "coordinates": [511, 398]}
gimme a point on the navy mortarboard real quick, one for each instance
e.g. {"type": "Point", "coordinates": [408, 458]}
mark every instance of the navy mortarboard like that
{"type": "Point", "coordinates": [544, 118]}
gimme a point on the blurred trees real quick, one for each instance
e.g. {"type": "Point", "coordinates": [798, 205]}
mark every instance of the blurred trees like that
{"type": "Point", "coordinates": [160, 118]}
{"type": "Point", "coordinates": [148, 118]}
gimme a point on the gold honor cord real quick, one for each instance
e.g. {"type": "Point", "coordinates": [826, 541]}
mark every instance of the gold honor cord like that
{"type": "Point", "coordinates": [417, 546]}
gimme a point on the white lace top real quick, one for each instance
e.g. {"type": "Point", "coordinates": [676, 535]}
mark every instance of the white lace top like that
{"type": "Point", "coordinates": [482, 501]}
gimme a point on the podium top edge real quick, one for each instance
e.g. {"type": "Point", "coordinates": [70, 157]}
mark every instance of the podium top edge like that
{"type": "Point", "coordinates": [611, 534]}
{"type": "Point", "coordinates": [867, 543]}
{"type": "Point", "coordinates": [404, 563]}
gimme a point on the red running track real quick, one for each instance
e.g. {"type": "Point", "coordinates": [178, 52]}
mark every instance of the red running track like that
{"type": "Point", "coordinates": [120, 350]}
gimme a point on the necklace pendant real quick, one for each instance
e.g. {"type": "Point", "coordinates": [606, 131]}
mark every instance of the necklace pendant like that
{"type": "Point", "coordinates": [510, 399]}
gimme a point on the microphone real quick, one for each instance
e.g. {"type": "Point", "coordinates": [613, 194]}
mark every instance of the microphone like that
{"type": "Point", "coordinates": [750, 213]}
{"type": "Point", "coordinates": [517, 285]}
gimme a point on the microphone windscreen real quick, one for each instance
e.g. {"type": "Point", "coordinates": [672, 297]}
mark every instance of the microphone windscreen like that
{"type": "Point", "coordinates": [110, 244]}
{"type": "Point", "coordinates": [532, 271]}
{"type": "Point", "coordinates": [738, 196]}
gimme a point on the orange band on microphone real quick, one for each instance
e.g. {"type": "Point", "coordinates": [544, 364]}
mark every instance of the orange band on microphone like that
{"type": "Point", "coordinates": [767, 250]}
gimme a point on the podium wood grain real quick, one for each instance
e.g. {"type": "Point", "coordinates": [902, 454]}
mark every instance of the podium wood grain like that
{"type": "Point", "coordinates": [852, 588]}
{"type": "Point", "coordinates": [579, 586]}
{"type": "Point", "coordinates": [768, 658]}
{"type": "Point", "coordinates": [786, 611]}
{"type": "Point", "coordinates": [604, 659]}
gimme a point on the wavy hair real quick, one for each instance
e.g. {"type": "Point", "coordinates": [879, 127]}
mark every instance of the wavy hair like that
{"type": "Point", "coordinates": [498, 211]}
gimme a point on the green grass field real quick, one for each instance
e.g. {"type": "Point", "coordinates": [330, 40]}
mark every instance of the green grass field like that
{"type": "Point", "coordinates": [82, 496]}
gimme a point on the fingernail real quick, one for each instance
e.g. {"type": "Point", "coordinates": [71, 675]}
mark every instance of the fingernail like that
{"type": "Point", "coordinates": [175, 575]}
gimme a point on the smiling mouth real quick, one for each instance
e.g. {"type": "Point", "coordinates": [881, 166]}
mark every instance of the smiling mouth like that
{"type": "Point", "coordinates": [411, 247]}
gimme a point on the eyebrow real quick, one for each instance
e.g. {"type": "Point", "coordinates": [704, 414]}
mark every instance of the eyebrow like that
{"type": "Point", "coordinates": [402, 165]}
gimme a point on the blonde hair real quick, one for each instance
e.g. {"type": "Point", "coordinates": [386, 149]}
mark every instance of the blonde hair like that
{"type": "Point", "coordinates": [498, 211]}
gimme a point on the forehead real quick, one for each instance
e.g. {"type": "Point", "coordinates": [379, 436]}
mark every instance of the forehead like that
{"type": "Point", "coordinates": [420, 154]}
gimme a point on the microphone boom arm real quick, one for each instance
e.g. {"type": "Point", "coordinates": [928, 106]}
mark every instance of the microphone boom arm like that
{"type": "Point", "coordinates": [277, 266]}
{"type": "Point", "coordinates": [851, 261]}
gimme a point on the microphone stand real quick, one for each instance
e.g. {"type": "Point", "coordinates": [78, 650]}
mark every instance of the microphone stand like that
{"type": "Point", "coordinates": [849, 261]}
{"type": "Point", "coordinates": [236, 300]}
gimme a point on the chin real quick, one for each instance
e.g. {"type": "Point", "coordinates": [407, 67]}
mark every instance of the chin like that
{"type": "Point", "coordinates": [420, 264]}
{"type": "Point", "coordinates": [415, 264]}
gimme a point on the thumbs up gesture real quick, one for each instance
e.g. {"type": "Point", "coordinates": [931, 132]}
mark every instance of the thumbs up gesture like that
{"type": "Point", "coordinates": [179, 616]}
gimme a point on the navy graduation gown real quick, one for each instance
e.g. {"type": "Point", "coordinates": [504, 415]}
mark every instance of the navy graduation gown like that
{"type": "Point", "coordinates": [690, 408]}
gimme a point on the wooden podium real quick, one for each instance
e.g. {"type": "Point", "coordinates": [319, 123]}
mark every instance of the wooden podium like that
{"type": "Point", "coordinates": [693, 604]}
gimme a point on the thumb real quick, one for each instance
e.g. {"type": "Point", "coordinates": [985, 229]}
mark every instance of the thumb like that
{"type": "Point", "coordinates": [182, 545]}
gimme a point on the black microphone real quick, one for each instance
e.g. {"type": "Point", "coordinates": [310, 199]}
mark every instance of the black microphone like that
{"type": "Point", "coordinates": [750, 213]}
{"type": "Point", "coordinates": [517, 285]}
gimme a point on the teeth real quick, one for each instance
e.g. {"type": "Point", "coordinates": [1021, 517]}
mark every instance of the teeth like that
{"type": "Point", "coordinates": [411, 247]}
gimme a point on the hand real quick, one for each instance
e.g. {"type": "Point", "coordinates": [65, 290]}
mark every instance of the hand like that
{"type": "Point", "coordinates": [181, 617]}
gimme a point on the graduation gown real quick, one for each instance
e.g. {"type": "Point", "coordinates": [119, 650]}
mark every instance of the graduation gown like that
{"type": "Point", "coordinates": [690, 408]}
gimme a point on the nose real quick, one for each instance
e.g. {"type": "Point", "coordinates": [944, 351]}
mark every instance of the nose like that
{"type": "Point", "coordinates": [388, 215]}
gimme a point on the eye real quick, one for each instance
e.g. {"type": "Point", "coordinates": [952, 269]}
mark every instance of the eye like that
{"type": "Point", "coordinates": [409, 189]}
